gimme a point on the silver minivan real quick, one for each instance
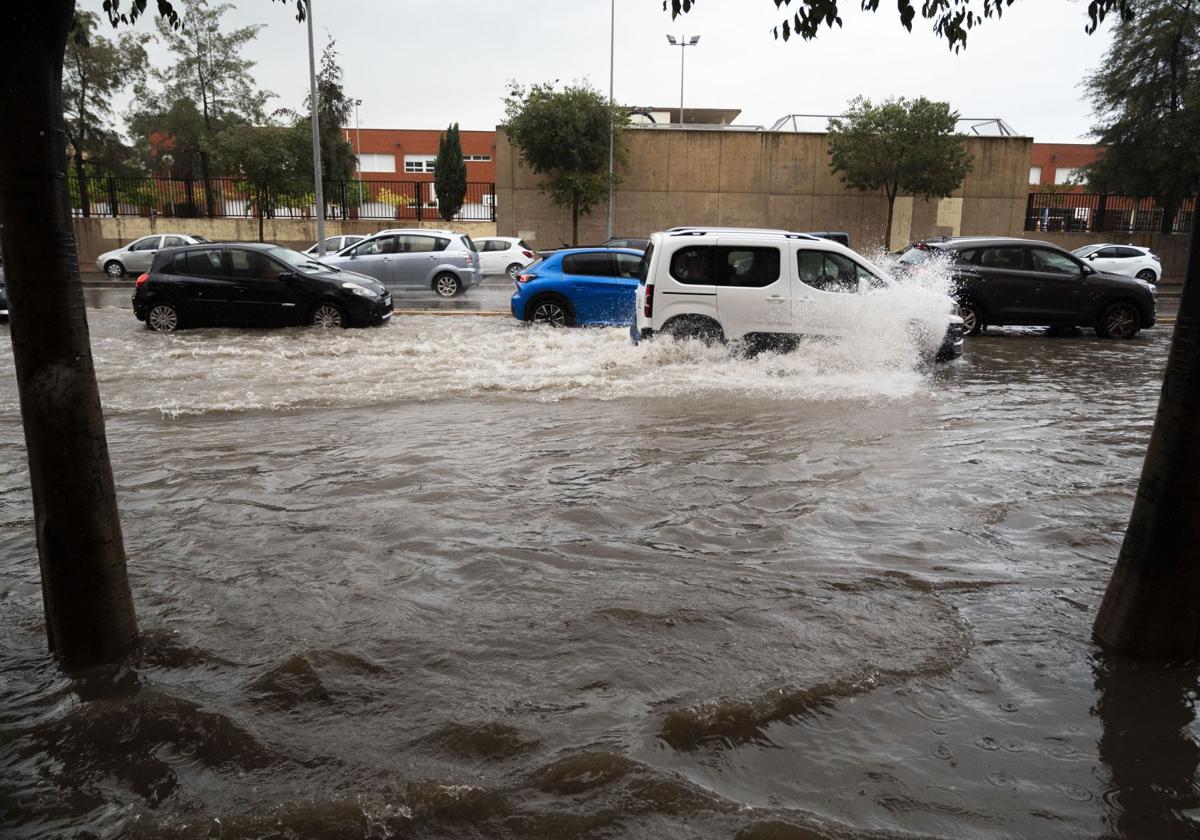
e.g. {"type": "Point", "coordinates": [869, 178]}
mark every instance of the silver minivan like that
{"type": "Point", "coordinates": [442, 260]}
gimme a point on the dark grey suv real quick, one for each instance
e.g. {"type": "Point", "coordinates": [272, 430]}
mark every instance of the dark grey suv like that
{"type": "Point", "coordinates": [1011, 281]}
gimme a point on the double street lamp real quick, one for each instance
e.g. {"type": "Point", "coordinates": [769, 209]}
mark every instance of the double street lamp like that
{"type": "Point", "coordinates": [683, 43]}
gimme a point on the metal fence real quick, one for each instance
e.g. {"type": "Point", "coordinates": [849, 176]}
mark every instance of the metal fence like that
{"type": "Point", "coordinates": [228, 198]}
{"type": "Point", "coordinates": [1103, 212]}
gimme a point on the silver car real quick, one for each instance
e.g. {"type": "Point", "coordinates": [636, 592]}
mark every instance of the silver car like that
{"type": "Point", "coordinates": [442, 260]}
{"type": "Point", "coordinates": [136, 257]}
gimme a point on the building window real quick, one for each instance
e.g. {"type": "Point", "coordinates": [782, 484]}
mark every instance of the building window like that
{"type": "Point", "coordinates": [419, 163]}
{"type": "Point", "coordinates": [1035, 174]}
{"type": "Point", "coordinates": [477, 158]}
{"type": "Point", "coordinates": [1063, 175]}
{"type": "Point", "coordinates": [376, 163]}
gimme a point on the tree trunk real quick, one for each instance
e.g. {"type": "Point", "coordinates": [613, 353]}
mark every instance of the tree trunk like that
{"type": "Point", "coordinates": [206, 177]}
{"type": "Point", "coordinates": [85, 590]}
{"type": "Point", "coordinates": [1152, 605]}
{"type": "Point", "coordinates": [887, 234]}
{"type": "Point", "coordinates": [81, 178]}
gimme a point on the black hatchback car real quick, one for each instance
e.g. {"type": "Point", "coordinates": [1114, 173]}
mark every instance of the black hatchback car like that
{"type": "Point", "coordinates": [253, 284]}
{"type": "Point", "coordinates": [1010, 281]}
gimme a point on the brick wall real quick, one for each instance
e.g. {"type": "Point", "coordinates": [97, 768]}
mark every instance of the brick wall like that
{"type": "Point", "coordinates": [401, 142]}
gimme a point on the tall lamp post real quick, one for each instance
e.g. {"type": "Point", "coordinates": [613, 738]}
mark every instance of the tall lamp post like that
{"type": "Point", "coordinates": [612, 40]}
{"type": "Point", "coordinates": [357, 141]}
{"type": "Point", "coordinates": [316, 133]}
{"type": "Point", "coordinates": [683, 45]}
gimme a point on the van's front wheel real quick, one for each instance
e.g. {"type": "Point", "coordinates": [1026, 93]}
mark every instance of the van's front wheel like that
{"type": "Point", "coordinates": [700, 329]}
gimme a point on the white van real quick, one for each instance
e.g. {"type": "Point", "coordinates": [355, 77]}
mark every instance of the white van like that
{"type": "Point", "coordinates": [768, 287]}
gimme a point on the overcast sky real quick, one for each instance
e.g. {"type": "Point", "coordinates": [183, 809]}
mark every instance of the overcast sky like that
{"type": "Point", "coordinates": [427, 63]}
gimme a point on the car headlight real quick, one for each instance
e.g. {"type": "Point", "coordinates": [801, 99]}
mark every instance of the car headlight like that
{"type": "Point", "coordinates": [361, 291]}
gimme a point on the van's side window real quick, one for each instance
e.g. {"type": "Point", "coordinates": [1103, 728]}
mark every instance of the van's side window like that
{"type": "Point", "coordinates": [746, 266]}
{"type": "Point", "coordinates": [694, 265]}
{"type": "Point", "coordinates": [832, 272]}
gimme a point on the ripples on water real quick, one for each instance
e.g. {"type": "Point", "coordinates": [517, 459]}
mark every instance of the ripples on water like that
{"type": "Point", "coordinates": [460, 578]}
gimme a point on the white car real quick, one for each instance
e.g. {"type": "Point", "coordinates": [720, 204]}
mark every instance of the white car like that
{"type": "Point", "coordinates": [1129, 260]}
{"type": "Point", "coordinates": [768, 287]}
{"type": "Point", "coordinates": [135, 258]}
{"type": "Point", "coordinates": [504, 255]}
{"type": "Point", "coordinates": [333, 244]}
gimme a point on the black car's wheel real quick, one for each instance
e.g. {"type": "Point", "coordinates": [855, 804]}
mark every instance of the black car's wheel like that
{"type": "Point", "coordinates": [446, 285]}
{"type": "Point", "coordinates": [163, 317]}
{"type": "Point", "coordinates": [972, 317]}
{"type": "Point", "coordinates": [327, 316]}
{"type": "Point", "coordinates": [1148, 275]}
{"type": "Point", "coordinates": [114, 269]}
{"type": "Point", "coordinates": [1119, 320]}
{"type": "Point", "coordinates": [513, 271]}
{"type": "Point", "coordinates": [551, 312]}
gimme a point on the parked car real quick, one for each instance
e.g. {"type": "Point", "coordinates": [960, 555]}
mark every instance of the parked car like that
{"type": "Point", "coordinates": [442, 260]}
{"type": "Point", "coordinates": [504, 255]}
{"type": "Point", "coordinates": [768, 287]}
{"type": "Point", "coordinates": [1009, 281]}
{"type": "Point", "coordinates": [578, 286]}
{"type": "Point", "coordinates": [333, 244]}
{"type": "Point", "coordinates": [1128, 260]}
{"type": "Point", "coordinates": [250, 283]}
{"type": "Point", "coordinates": [136, 257]}
{"type": "Point", "coordinates": [3, 293]}
{"type": "Point", "coordinates": [626, 242]}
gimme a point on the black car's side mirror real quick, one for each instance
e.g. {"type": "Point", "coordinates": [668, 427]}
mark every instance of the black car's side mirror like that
{"type": "Point", "coordinates": [287, 276]}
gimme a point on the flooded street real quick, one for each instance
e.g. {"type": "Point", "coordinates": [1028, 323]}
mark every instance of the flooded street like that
{"type": "Point", "coordinates": [459, 578]}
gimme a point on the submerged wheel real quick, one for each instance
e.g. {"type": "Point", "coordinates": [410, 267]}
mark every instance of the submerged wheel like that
{"type": "Point", "coordinates": [701, 329]}
{"type": "Point", "coordinates": [1120, 320]}
{"type": "Point", "coordinates": [446, 285]}
{"type": "Point", "coordinates": [114, 269]}
{"type": "Point", "coordinates": [163, 317]}
{"type": "Point", "coordinates": [972, 317]}
{"type": "Point", "coordinates": [327, 316]}
{"type": "Point", "coordinates": [551, 312]}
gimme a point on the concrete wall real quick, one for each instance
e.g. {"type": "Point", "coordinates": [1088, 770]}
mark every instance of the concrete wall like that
{"type": "Point", "coordinates": [96, 235]}
{"type": "Point", "coordinates": [761, 179]}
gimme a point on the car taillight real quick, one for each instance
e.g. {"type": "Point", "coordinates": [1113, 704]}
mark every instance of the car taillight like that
{"type": "Point", "coordinates": [525, 278]}
{"type": "Point", "coordinates": [921, 246]}
{"type": "Point", "coordinates": [1155, 258]}
{"type": "Point", "coordinates": [470, 260]}
{"type": "Point", "coordinates": [648, 308]}
{"type": "Point", "coordinates": [529, 255]}
{"type": "Point", "coordinates": [142, 279]}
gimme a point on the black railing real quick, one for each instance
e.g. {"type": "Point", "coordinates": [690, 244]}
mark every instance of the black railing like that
{"type": "Point", "coordinates": [228, 198]}
{"type": "Point", "coordinates": [1105, 213]}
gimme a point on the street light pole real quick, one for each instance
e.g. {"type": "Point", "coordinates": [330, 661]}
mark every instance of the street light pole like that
{"type": "Point", "coordinates": [612, 32]}
{"type": "Point", "coordinates": [316, 133]}
{"type": "Point", "coordinates": [357, 141]}
{"type": "Point", "coordinates": [683, 43]}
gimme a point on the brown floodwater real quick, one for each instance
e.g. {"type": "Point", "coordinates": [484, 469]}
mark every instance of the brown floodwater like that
{"type": "Point", "coordinates": [457, 578]}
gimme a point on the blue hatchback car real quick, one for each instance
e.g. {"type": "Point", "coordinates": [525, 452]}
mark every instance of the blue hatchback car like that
{"type": "Point", "coordinates": [578, 286]}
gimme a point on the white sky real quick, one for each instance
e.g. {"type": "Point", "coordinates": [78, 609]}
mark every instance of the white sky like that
{"type": "Point", "coordinates": [427, 63]}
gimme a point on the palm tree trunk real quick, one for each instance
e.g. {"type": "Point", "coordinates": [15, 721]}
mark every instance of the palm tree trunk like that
{"type": "Point", "coordinates": [85, 588]}
{"type": "Point", "coordinates": [1152, 605]}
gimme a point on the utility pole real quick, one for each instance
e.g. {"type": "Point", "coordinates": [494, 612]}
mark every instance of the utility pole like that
{"type": "Point", "coordinates": [316, 133]}
{"type": "Point", "coordinates": [612, 32]}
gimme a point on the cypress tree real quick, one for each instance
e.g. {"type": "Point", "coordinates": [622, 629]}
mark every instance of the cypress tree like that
{"type": "Point", "coordinates": [450, 174]}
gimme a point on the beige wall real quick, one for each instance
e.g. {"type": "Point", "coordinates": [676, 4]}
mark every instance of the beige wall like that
{"type": "Point", "coordinates": [96, 235]}
{"type": "Point", "coordinates": [761, 179]}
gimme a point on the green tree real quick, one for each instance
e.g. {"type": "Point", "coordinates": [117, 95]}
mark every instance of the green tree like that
{"type": "Point", "coordinates": [334, 109]}
{"type": "Point", "coordinates": [900, 145]}
{"type": "Point", "coordinates": [563, 134]}
{"type": "Point", "coordinates": [951, 19]}
{"type": "Point", "coordinates": [276, 160]}
{"type": "Point", "coordinates": [95, 69]}
{"type": "Point", "coordinates": [1146, 94]}
{"type": "Point", "coordinates": [450, 173]}
{"type": "Point", "coordinates": [211, 75]}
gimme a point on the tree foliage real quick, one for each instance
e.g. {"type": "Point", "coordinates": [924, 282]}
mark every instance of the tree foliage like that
{"type": "Point", "coordinates": [1146, 98]}
{"type": "Point", "coordinates": [951, 19]}
{"type": "Point", "coordinates": [564, 135]}
{"type": "Point", "coordinates": [450, 173]}
{"type": "Point", "coordinates": [334, 110]}
{"type": "Point", "coordinates": [95, 69]}
{"type": "Point", "coordinates": [899, 146]}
